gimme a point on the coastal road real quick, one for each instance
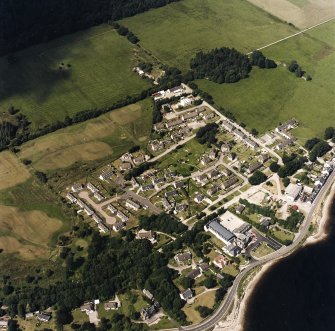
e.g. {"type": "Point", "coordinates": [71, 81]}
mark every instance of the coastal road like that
{"type": "Point", "coordinates": [223, 309]}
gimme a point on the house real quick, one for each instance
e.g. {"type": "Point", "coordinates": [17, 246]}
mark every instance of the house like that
{"type": "Point", "coordinates": [185, 101]}
{"type": "Point", "coordinates": [183, 257]}
{"type": "Point", "coordinates": [251, 143]}
{"type": "Point", "coordinates": [98, 196]}
{"type": "Point", "coordinates": [204, 267]}
{"type": "Point", "coordinates": [166, 204]}
{"type": "Point", "coordinates": [284, 144]}
{"type": "Point", "coordinates": [92, 188]}
{"type": "Point", "coordinates": [76, 187]}
{"type": "Point", "coordinates": [71, 197]}
{"type": "Point", "coordinates": [122, 216]}
{"type": "Point", "coordinates": [147, 187]}
{"type": "Point", "coordinates": [231, 156]}
{"type": "Point", "coordinates": [239, 134]}
{"type": "Point", "coordinates": [264, 157]}
{"type": "Point", "coordinates": [125, 166]}
{"type": "Point", "coordinates": [180, 207]}
{"type": "Point", "coordinates": [205, 160]}
{"type": "Point", "coordinates": [96, 218]}
{"type": "Point", "coordinates": [293, 191]}
{"type": "Point", "coordinates": [213, 154]}
{"type": "Point", "coordinates": [179, 184]}
{"type": "Point", "coordinates": [171, 174]}
{"type": "Point", "coordinates": [158, 95]}
{"type": "Point", "coordinates": [213, 174]}
{"type": "Point", "coordinates": [118, 226]}
{"type": "Point", "coordinates": [155, 145]}
{"type": "Point", "coordinates": [254, 166]}
{"type": "Point", "coordinates": [177, 90]}
{"type": "Point", "coordinates": [201, 179]}
{"type": "Point", "coordinates": [112, 305]}
{"type": "Point", "coordinates": [232, 249]}
{"type": "Point", "coordinates": [291, 124]}
{"type": "Point", "coordinates": [148, 294]}
{"type": "Point", "coordinates": [87, 307]}
{"type": "Point", "coordinates": [106, 175]}
{"type": "Point", "coordinates": [225, 148]}
{"type": "Point", "coordinates": [88, 210]}
{"type": "Point", "coordinates": [29, 315]}
{"type": "Point", "coordinates": [220, 261]}
{"type": "Point", "coordinates": [223, 234]}
{"type": "Point", "coordinates": [149, 235]}
{"type": "Point", "coordinates": [239, 209]}
{"type": "Point", "coordinates": [126, 157]}
{"type": "Point", "coordinates": [44, 316]}
{"type": "Point", "coordinates": [157, 181]}
{"type": "Point", "coordinates": [186, 295]}
{"type": "Point", "coordinates": [212, 190]}
{"type": "Point", "coordinates": [133, 205]}
{"type": "Point", "coordinates": [195, 273]}
{"type": "Point", "coordinates": [173, 123]}
{"type": "Point", "coordinates": [103, 228]}
{"type": "Point", "coordinates": [147, 313]}
{"type": "Point", "coordinates": [138, 160]}
{"type": "Point", "coordinates": [112, 209]}
{"type": "Point", "coordinates": [199, 198]}
{"type": "Point", "coordinates": [265, 221]}
{"type": "Point", "coordinates": [172, 193]}
{"type": "Point", "coordinates": [208, 116]}
{"type": "Point", "coordinates": [227, 126]}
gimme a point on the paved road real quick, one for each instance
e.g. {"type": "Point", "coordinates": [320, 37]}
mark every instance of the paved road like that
{"type": "Point", "coordinates": [223, 309]}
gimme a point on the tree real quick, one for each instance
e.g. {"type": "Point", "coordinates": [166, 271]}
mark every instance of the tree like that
{"type": "Point", "coordinates": [41, 176]}
{"type": "Point", "coordinates": [210, 282]}
{"type": "Point", "coordinates": [257, 178]}
{"type": "Point", "coordinates": [329, 133]}
{"type": "Point", "coordinates": [274, 167]}
{"type": "Point", "coordinates": [286, 181]}
{"type": "Point", "coordinates": [63, 316]}
{"type": "Point", "coordinates": [21, 309]}
{"type": "Point", "coordinates": [254, 132]}
{"type": "Point", "coordinates": [204, 311]}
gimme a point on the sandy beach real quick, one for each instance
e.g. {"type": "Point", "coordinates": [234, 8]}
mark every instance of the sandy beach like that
{"type": "Point", "coordinates": [234, 321]}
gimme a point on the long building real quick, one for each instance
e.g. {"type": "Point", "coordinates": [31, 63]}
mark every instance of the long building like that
{"type": "Point", "coordinates": [220, 231]}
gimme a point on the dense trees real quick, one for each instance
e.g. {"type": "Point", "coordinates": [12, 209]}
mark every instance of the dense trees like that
{"type": "Point", "coordinates": [292, 163]}
{"type": "Point", "coordinates": [257, 178]}
{"type": "Point", "coordinates": [207, 133]}
{"type": "Point", "coordinates": [258, 59]}
{"type": "Point", "coordinates": [25, 23]}
{"type": "Point", "coordinates": [162, 222]}
{"type": "Point", "coordinates": [227, 65]}
{"type": "Point", "coordinates": [317, 147]}
{"type": "Point", "coordinates": [221, 65]}
{"type": "Point", "coordinates": [274, 167]}
{"type": "Point", "coordinates": [137, 171]}
{"type": "Point", "coordinates": [329, 133]}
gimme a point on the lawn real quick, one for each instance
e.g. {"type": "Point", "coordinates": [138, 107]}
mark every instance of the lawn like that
{"type": "Point", "coordinates": [282, 235]}
{"type": "Point", "coordinates": [268, 97]}
{"type": "Point", "coordinates": [100, 74]}
{"type": "Point", "coordinates": [262, 250]}
{"type": "Point", "coordinates": [174, 33]}
{"type": "Point", "coordinates": [109, 135]}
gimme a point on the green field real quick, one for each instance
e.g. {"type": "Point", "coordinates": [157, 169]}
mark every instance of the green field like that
{"type": "Point", "coordinates": [268, 97]}
{"type": "Point", "coordinates": [109, 135]}
{"type": "Point", "coordinates": [174, 33]}
{"type": "Point", "coordinates": [100, 74]}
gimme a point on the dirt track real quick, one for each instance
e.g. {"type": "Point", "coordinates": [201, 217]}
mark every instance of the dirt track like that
{"type": "Point", "coordinates": [315, 11]}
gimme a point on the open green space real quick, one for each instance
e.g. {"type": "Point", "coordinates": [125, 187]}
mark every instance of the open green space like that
{"type": "Point", "coordinates": [268, 97]}
{"type": "Point", "coordinates": [262, 250]}
{"type": "Point", "coordinates": [176, 32]}
{"type": "Point", "coordinates": [109, 135]}
{"type": "Point", "coordinates": [100, 73]}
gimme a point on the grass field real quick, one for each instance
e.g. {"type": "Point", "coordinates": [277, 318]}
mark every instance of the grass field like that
{"type": "Point", "coordinates": [108, 135]}
{"type": "Point", "coordinates": [174, 33]}
{"type": "Point", "coordinates": [262, 250]}
{"type": "Point", "coordinates": [12, 171]}
{"type": "Point", "coordinates": [100, 74]}
{"type": "Point", "coordinates": [268, 97]}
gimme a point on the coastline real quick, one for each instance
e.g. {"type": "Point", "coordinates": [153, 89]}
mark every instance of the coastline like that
{"type": "Point", "coordinates": [235, 320]}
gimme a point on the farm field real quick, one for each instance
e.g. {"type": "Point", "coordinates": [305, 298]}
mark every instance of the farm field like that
{"type": "Point", "coordinates": [100, 73]}
{"type": "Point", "coordinates": [12, 171]}
{"type": "Point", "coordinates": [108, 135]}
{"type": "Point", "coordinates": [268, 97]}
{"type": "Point", "coordinates": [176, 32]}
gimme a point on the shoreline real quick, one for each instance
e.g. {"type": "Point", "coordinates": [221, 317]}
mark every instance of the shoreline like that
{"type": "Point", "coordinates": [235, 320]}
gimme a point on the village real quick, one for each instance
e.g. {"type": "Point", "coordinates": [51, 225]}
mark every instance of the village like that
{"type": "Point", "coordinates": [189, 179]}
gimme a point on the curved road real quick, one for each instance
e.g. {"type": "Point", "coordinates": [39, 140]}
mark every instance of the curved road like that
{"type": "Point", "coordinates": [222, 311]}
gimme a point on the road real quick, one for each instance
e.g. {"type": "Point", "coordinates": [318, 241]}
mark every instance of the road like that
{"type": "Point", "coordinates": [294, 35]}
{"type": "Point", "coordinates": [223, 309]}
